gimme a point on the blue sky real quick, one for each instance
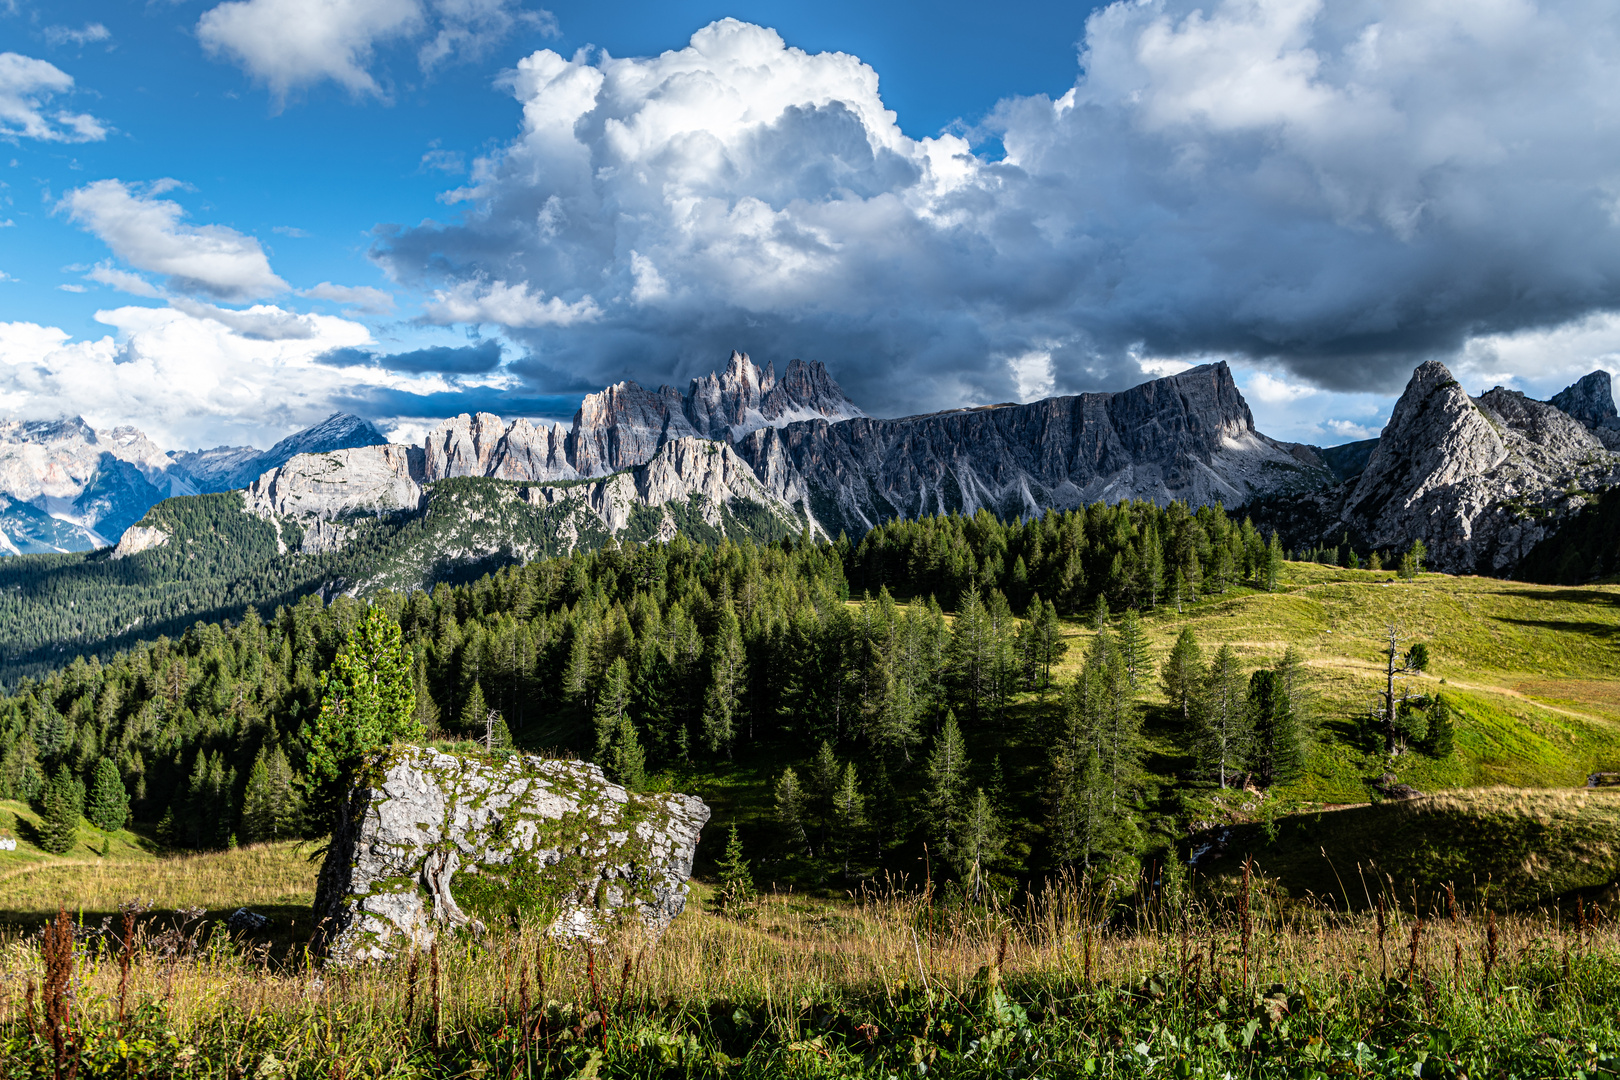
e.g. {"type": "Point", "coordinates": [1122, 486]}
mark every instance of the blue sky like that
{"type": "Point", "coordinates": [225, 220]}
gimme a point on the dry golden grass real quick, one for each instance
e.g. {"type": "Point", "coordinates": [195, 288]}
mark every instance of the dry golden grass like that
{"type": "Point", "coordinates": [790, 951]}
{"type": "Point", "coordinates": [264, 875]}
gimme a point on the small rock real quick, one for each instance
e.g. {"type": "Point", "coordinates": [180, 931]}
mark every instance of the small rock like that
{"type": "Point", "coordinates": [244, 921]}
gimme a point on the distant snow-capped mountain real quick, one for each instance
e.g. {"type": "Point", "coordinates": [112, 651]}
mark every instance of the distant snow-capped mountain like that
{"type": "Point", "coordinates": [65, 486]}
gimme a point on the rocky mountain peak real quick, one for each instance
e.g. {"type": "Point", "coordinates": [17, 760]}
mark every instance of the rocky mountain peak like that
{"type": "Point", "coordinates": [1463, 474]}
{"type": "Point", "coordinates": [1591, 401]}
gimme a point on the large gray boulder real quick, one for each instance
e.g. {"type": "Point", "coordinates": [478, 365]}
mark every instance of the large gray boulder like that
{"type": "Point", "coordinates": [446, 841]}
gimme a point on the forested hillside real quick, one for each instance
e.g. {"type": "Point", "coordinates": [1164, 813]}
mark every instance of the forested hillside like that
{"type": "Point", "coordinates": [684, 659]}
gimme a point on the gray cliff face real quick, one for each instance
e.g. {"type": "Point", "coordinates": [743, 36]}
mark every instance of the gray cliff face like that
{"type": "Point", "coordinates": [692, 485]}
{"type": "Point", "coordinates": [1190, 436]}
{"type": "Point", "coordinates": [1479, 480]}
{"type": "Point", "coordinates": [624, 425]}
{"type": "Point", "coordinates": [316, 488]}
{"type": "Point", "coordinates": [446, 841]}
{"type": "Point", "coordinates": [1591, 401]}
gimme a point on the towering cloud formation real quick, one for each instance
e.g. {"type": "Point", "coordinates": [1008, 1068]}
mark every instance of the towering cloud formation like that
{"type": "Point", "coordinates": [1342, 190]}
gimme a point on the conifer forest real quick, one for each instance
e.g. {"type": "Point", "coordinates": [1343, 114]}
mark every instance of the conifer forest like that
{"type": "Point", "coordinates": [881, 698]}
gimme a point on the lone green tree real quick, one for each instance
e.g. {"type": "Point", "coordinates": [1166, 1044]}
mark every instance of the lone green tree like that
{"type": "Point", "coordinates": [736, 880]}
{"type": "Point", "coordinates": [108, 805]}
{"type": "Point", "coordinates": [368, 702]}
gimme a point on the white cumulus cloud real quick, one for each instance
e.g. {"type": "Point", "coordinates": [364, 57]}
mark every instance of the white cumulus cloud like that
{"type": "Point", "coordinates": [292, 44]}
{"type": "Point", "coordinates": [191, 378]}
{"type": "Point", "coordinates": [372, 301]}
{"type": "Point", "coordinates": [509, 305]}
{"type": "Point", "coordinates": [148, 233]}
{"type": "Point", "coordinates": [1334, 192]}
{"type": "Point", "coordinates": [105, 273]}
{"type": "Point", "coordinates": [26, 87]}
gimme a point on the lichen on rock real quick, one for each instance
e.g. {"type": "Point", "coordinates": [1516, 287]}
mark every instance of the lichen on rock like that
{"type": "Point", "coordinates": [446, 841]}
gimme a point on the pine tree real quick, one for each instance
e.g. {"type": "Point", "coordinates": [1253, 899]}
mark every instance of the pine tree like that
{"type": "Point", "coordinates": [947, 780]}
{"type": "Point", "coordinates": [612, 706]}
{"type": "Point", "coordinates": [736, 890]}
{"type": "Point", "coordinates": [1224, 731]}
{"type": "Point", "coordinates": [108, 803]}
{"type": "Point", "coordinates": [1279, 751]}
{"type": "Point", "coordinates": [1183, 674]}
{"type": "Point", "coordinates": [790, 811]}
{"type": "Point", "coordinates": [627, 763]}
{"type": "Point", "coordinates": [59, 817]}
{"type": "Point", "coordinates": [367, 702]}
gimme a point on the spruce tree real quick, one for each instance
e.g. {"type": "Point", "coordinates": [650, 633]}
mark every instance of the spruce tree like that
{"type": "Point", "coordinates": [790, 813]}
{"type": "Point", "coordinates": [736, 880]}
{"type": "Point", "coordinates": [849, 817]}
{"type": "Point", "coordinates": [108, 804]}
{"type": "Point", "coordinates": [271, 807]}
{"type": "Point", "coordinates": [1131, 641]}
{"type": "Point", "coordinates": [723, 701]}
{"type": "Point", "coordinates": [627, 762]}
{"type": "Point", "coordinates": [1279, 751]}
{"type": "Point", "coordinates": [1272, 566]}
{"type": "Point", "coordinates": [474, 712]}
{"type": "Point", "coordinates": [982, 842]}
{"type": "Point", "coordinates": [59, 816]}
{"type": "Point", "coordinates": [1442, 728]}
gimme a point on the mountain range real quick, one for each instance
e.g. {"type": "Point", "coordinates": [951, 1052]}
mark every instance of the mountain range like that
{"type": "Point", "coordinates": [1480, 480]}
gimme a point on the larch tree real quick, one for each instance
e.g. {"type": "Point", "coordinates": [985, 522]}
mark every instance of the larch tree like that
{"type": "Point", "coordinates": [1224, 729]}
{"type": "Point", "coordinates": [947, 780]}
{"type": "Point", "coordinates": [1182, 674]}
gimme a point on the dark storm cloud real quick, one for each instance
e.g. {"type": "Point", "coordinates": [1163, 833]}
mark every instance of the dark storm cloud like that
{"type": "Point", "coordinates": [442, 359]}
{"type": "Point", "coordinates": [1338, 191]}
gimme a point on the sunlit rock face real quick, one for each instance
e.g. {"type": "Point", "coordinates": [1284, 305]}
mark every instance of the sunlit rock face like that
{"type": "Point", "coordinates": [445, 842]}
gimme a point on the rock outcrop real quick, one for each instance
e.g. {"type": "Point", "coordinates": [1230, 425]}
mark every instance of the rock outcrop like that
{"type": "Point", "coordinates": [446, 841]}
{"type": "Point", "coordinates": [1479, 480]}
{"type": "Point", "coordinates": [367, 479]}
{"type": "Point", "coordinates": [1591, 401]}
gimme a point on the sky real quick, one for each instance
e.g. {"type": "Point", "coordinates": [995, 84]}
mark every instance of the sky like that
{"type": "Point", "coordinates": [222, 221]}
